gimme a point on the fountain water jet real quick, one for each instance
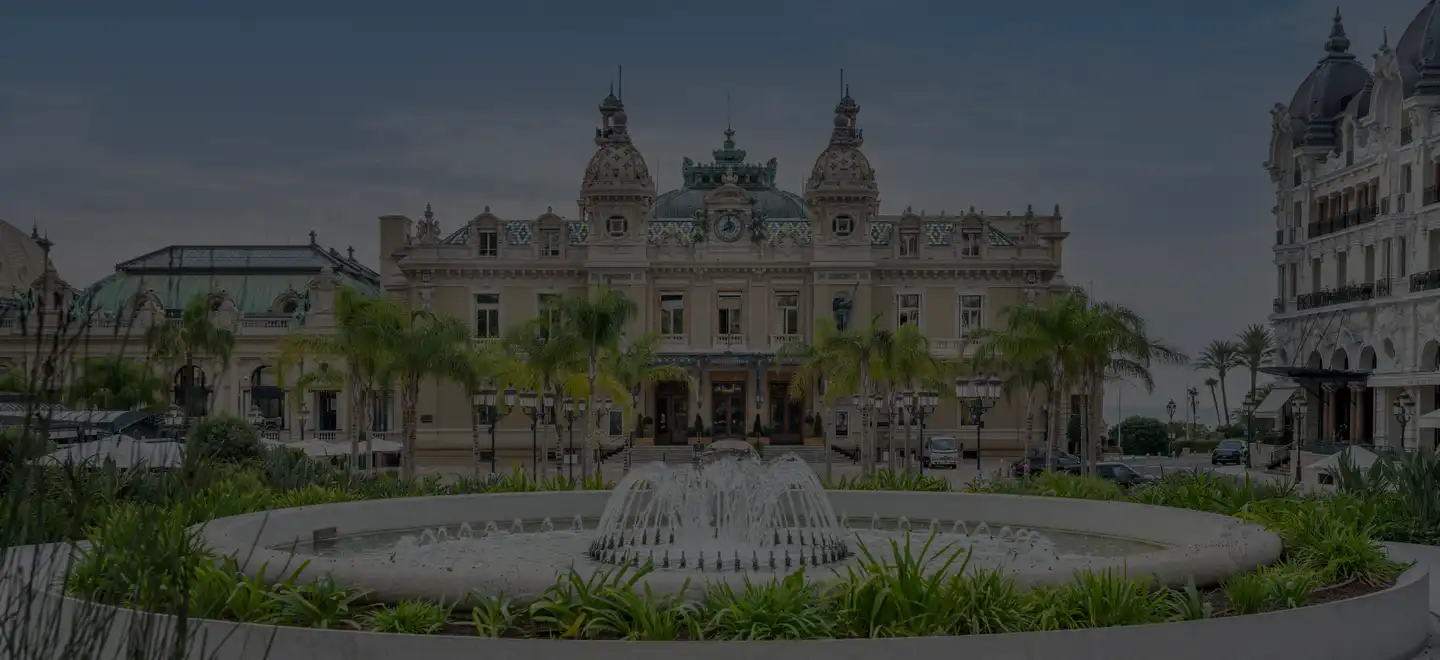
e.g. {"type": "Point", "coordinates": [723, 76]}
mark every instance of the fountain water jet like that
{"type": "Point", "coordinates": [726, 508]}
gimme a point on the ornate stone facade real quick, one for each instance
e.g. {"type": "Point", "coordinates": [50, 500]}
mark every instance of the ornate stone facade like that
{"type": "Point", "coordinates": [1357, 219]}
{"type": "Point", "coordinates": [726, 269]}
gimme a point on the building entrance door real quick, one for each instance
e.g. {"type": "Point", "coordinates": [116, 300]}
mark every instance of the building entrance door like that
{"type": "Point", "coordinates": [672, 410]}
{"type": "Point", "coordinates": [787, 416]}
{"type": "Point", "coordinates": [728, 405]}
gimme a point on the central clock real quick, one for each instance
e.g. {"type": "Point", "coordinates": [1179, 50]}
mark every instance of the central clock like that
{"type": "Point", "coordinates": [729, 228]}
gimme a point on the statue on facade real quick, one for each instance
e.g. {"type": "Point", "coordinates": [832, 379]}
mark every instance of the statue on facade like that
{"type": "Point", "coordinates": [842, 306]}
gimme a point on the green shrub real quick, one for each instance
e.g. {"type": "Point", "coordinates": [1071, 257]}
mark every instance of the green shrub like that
{"type": "Point", "coordinates": [407, 616]}
{"type": "Point", "coordinates": [224, 438]}
{"type": "Point", "coordinates": [141, 556]}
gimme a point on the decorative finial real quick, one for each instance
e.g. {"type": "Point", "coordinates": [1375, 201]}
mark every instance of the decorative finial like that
{"type": "Point", "coordinates": [1057, 210]}
{"type": "Point", "coordinates": [350, 252]}
{"type": "Point", "coordinates": [313, 240]}
{"type": "Point", "coordinates": [1385, 38]}
{"type": "Point", "coordinates": [429, 213]}
{"type": "Point", "coordinates": [487, 208]}
{"type": "Point", "coordinates": [1338, 43]}
{"type": "Point", "coordinates": [549, 209]}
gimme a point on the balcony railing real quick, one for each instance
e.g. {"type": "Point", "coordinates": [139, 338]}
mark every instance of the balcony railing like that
{"type": "Point", "coordinates": [1426, 281]}
{"type": "Point", "coordinates": [99, 325]}
{"type": "Point", "coordinates": [1343, 221]}
{"type": "Point", "coordinates": [1345, 294]}
{"type": "Point", "coordinates": [1432, 195]}
{"type": "Point", "coordinates": [673, 341]}
{"type": "Point", "coordinates": [1277, 305]}
{"type": "Point", "coordinates": [729, 340]}
{"type": "Point", "coordinates": [1407, 134]}
{"type": "Point", "coordinates": [778, 341]}
{"type": "Point", "coordinates": [487, 341]}
{"type": "Point", "coordinates": [327, 436]}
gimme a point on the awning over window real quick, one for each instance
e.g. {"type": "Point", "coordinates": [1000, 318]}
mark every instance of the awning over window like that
{"type": "Point", "coordinates": [1430, 420]}
{"type": "Point", "coordinates": [1270, 406]}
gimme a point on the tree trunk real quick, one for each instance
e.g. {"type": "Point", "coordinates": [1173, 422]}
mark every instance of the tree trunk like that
{"type": "Point", "coordinates": [474, 438]}
{"type": "Point", "coordinates": [1224, 398]}
{"type": "Point", "coordinates": [591, 415]}
{"type": "Point", "coordinates": [352, 409]}
{"type": "Point", "coordinates": [1052, 420]}
{"type": "Point", "coordinates": [1216, 402]}
{"type": "Point", "coordinates": [867, 456]}
{"type": "Point", "coordinates": [409, 419]}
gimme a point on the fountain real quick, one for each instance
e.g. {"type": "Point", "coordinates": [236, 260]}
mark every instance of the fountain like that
{"type": "Point", "coordinates": [728, 507]}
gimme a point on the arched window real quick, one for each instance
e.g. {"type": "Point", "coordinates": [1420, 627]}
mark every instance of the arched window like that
{"type": "Point", "coordinates": [191, 393]}
{"type": "Point", "coordinates": [267, 397]}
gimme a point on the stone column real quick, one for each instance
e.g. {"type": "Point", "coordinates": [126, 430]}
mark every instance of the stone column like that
{"type": "Point", "coordinates": [1381, 430]}
{"type": "Point", "coordinates": [1357, 412]}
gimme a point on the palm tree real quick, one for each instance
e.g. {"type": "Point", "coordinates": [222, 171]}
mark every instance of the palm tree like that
{"type": "Point", "coordinates": [417, 344]}
{"type": "Point", "coordinates": [1047, 339]}
{"type": "Point", "coordinates": [1116, 345]}
{"type": "Point", "coordinates": [1211, 382]}
{"type": "Point", "coordinates": [356, 344]}
{"type": "Point", "coordinates": [1256, 349]}
{"type": "Point", "coordinates": [597, 322]}
{"type": "Point", "coordinates": [1220, 356]}
{"type": "Point", "coordinates": [194, 337]}
{"type": "Point", "coordinates": [482, 365]}
{"type": "Point", "coordinates": [116, 383]}
{"type": "Point", "coordinates": [535, 357]}
{"type": "Point", "coordinates": [845, 360]}
{"type": "Point", "coordinates": [636, 367]}
{"type": "Point", "coordinates": [903, 365]}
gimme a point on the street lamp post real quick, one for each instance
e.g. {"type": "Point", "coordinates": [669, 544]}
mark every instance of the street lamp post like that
{"type": "Point", "coordinates": [981, 394]}
{"type": "Point", "coordinates": [919, 405]}
{"type": "Point", "coordinates": [486, 398]}
{"type": "Point", "coordinates": [529, 403]}
{"type": "Point", "coordinates": [1250, 404]}
{"type": "Point", "coordinates": [304, 417]}
{"type": "Point", "coordinates": [602, 414]}
{"type": "Point", "coordinates": [172, 421]}
{"type": "Point", "coordinates": [1403, 410]}
{"type": "Point", "coordinates": [1170, 411]}
{"type": "Point", "coordinates": [1301, 405]}
{"type": "Point", "coordinates": [511, 398]}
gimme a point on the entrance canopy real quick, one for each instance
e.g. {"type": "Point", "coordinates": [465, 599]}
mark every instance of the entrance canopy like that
{"type": "Point", "coordinates": [1275, 401]}
{"type": "Point", "coordinates": [1313, 378]}
{"type": "Point", "coordinates": [1430, 420]}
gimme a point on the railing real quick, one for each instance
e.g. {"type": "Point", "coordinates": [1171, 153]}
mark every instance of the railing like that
{"type": "Point", "coordinates": [1277, 305]}
{"type": "Point", "coordinates": [1432, 195]}
{"type": "Point", "coordinates": [1426, 281]}
{"type": "Point", "coordinates": [947, 347]}
{"type": "Point", "coordinates": [1407, 134]}
{"type": "Point", "coordinates": [266, 325]}
{"type": "Point", "coordinates": [778, 341]}
{"type": "Point", "coordinates": [98, 324]}
{"type": "Point", "coordinates": [1279, 236]}
{"type": "Point", "coordinates": [728, 340]}
{"type": "Point", "coordinates": [487, 341]}
{"type": "Point", "coordinates": [327, 436]}
{"type": "Point", "coordinates": [1342, 221]}
{"type": "Point", "coordinates": [1345, 294]}
{"type": "Point", "coordinates": [1400, 202]}
{"type": "Point", "coordinates": [673, 340]}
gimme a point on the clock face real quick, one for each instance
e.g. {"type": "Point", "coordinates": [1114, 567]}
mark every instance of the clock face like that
{"type": "Point", "coordinates": [729, 228]}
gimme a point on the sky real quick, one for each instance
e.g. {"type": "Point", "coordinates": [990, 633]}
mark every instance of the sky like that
{"type": "Point", "coordinates": [126, 127]}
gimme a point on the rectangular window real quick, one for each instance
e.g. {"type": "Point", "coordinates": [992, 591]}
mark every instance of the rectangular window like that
{"type": "Point", "coordinates": [1406, 179]}
{"type": "Point", "coordinates": [788, 304]}
{"type": "Point", "coordinates": [1280, 283]}
{"type": "Point", "coordinates": [1315, 270]}
{"type": "Point", "coordinates": [327, 406]}
{"type": "Point", "coordinates": [672, 314]}
{"type": "Point", "coordinates": [907, 309]}
{"type": "Point", "coordinates": [909, 244]}
{"type": "Point", "coordinates": [1294, 285]}
{"type": "Point", "coordinates": [970, 244]}
{"type": "Point", "coordinates": [1342, 264]}
{"type": "Point", "coordinates": [1369, 263]}
{"type": "Point", "coordinates": [1402, 255]}
{"type": "Point", "coordinates": [1386, 258]}
{"type": "Point", "coordinates": [549, 306]}
{"type": "Point", "coordinates": [550, 243]}
{"type": "Point", "coordinates": [729, 307]}
{"type": "Point", "coordinates": [842, 423]}
{"type": "Point", "coordinates": [972, 313]}
{"type": "Point", "coordinates": [488, 242]}
{"type": "Point", "coordinates": [487, 315]}
{"type": "Point", "coordinates": [616, 423]}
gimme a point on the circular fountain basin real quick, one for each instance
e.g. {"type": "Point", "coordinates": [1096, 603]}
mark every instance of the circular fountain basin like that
{"type": "Point", "coordinates": [517, 543]}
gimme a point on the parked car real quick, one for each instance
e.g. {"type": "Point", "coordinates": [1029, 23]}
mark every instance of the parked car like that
{"type": "Point", "coordinates": [1234, 451]}
{"type": "Point", "coordinates": [941, 451]}
{"type": "Point", "coordinates": [1035, 464]}
{"type": "Point", "coordinates": [1121, 473]}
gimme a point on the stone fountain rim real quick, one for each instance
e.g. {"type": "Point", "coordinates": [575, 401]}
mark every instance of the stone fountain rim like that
{"type": "Point", "coordinates": [1193, 549]}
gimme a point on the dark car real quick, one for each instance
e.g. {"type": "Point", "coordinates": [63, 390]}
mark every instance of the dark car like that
{"type": "Point", "coordinates": [1035, 464]}
{"type": "Point", "coordinates": [1231, 451]}
{"type": "Point", "coordinates": [1121, 473]}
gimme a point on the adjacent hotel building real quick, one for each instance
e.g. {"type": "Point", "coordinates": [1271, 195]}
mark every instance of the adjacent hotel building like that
{"type": "Point", "coordinates": [1353, 157]}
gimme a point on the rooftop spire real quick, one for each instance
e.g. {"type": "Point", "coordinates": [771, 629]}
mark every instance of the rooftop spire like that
{"type": "Point", "coordinates": [846, 133]}
{"type": "Point", "coordinates": [1338, 45]}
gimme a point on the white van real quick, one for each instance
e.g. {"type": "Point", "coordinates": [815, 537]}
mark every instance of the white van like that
{"type": "Point", "coordinates": [941, 451]}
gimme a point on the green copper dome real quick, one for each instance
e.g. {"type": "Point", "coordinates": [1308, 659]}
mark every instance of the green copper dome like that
{"type": "Point", "coordinates": [728, 166]}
